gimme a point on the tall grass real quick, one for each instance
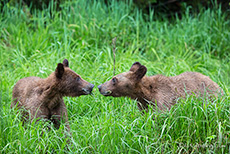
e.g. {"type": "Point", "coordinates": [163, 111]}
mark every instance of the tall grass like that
{"type": "Point", "coordinates": [33, 42]}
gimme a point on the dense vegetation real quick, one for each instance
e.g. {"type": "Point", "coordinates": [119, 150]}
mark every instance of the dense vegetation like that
{"type": "Point", "coordinates": [32, 42]}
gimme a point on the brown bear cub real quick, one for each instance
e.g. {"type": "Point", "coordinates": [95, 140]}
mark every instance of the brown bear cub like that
{"type": "Point", "coordinates": [161, 90]}
{"type": "Point", "coordinates": [43, 98]}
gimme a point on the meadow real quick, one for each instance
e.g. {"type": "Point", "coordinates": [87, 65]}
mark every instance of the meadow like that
{"type": "Point", "coordinates": [32, 43]}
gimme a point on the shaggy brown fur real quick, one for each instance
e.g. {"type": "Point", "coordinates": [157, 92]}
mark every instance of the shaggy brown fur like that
{"type": "Point", "coordinates": [42, 98]}
{"type": "Point", "coordinates": [159, 89]}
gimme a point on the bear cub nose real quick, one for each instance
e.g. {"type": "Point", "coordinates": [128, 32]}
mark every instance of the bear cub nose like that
{"type": "Point", "coordinates": [99, 87]}
{"type": "Point", "coordinates": [91, 87]}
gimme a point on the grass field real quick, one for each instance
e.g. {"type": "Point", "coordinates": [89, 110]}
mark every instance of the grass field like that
{"type": "Point", "coordinates": [33, 44]}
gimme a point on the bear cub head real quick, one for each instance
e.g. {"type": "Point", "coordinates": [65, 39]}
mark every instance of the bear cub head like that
{"type": "Point", "coordinates": [70, 83]}
{"type": "Point", "coordinates": [124, 84]}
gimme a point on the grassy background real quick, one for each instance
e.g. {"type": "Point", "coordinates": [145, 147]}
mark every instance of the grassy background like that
{"type": "Point", "coordinates": [33, 44]}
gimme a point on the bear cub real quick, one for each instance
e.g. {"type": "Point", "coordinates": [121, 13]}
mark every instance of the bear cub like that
{"type": "Point", "coordinates": [43, 98]}
{"type": "Point", "coordinates": [158, 89]}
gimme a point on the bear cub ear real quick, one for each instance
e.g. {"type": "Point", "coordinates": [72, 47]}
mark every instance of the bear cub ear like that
{"type": "Point", "coordinates": [65, 63]}
{"type": "Point", "coordinates": [135, 66]}
{"type": "Point", "coordinates": [59, 70]}
{"type": "Point", "coordinates": [140, 72]}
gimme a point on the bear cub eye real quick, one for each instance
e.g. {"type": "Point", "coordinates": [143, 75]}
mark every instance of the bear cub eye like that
{"type": "Point", "coordinates": [114, 80]}
{"type": "Point", "coordinates": [78, 78]}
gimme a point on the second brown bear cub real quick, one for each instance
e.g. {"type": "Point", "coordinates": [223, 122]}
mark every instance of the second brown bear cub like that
{"type": "Point", "coordinates": [161, 90]}
{"type": "Point", "coordinates": [42, 98]}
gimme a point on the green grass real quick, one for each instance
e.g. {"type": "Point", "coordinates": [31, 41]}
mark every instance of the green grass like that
{"type": "Point", "coordinates": [33, 44]}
